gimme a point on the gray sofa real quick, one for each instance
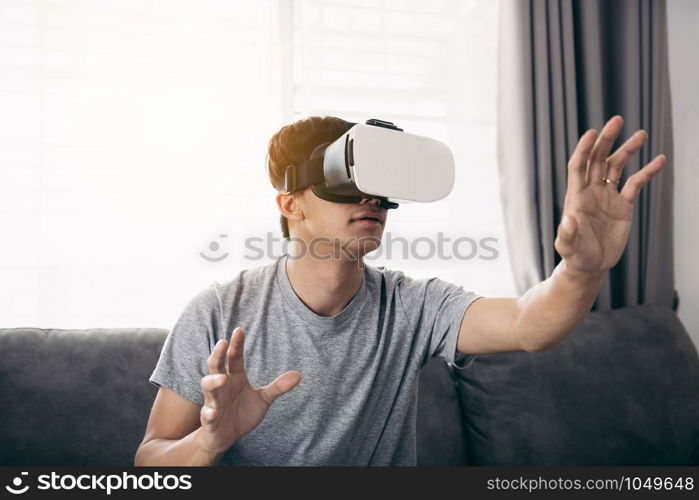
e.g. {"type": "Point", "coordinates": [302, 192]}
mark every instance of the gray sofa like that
{"type": "Point", "coordinates": [623, 389]}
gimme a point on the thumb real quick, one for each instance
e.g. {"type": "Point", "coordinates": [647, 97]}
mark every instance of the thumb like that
{"type": "Point", "coordinates": [281, 385]}
{"type": "Point", "coordinates": [566, 239]}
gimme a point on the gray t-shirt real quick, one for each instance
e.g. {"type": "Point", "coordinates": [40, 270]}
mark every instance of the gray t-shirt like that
{"type": "Point", "coordinates": [356, 403]}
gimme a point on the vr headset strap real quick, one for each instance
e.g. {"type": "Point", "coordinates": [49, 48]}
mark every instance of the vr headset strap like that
{"type": "Point", "coordinates": [299, 176]}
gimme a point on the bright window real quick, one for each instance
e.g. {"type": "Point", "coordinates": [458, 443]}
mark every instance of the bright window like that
{"type": "Point", "coordinates": [133, 136]}
{"type": "Point", "coordinates": [429, 67]}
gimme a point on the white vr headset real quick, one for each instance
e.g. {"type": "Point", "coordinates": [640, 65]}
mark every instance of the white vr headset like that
{"type": "Point", "coordinates": [375, 160]}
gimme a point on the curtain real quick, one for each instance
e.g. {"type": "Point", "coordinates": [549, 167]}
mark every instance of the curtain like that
{"type": "Point", "coordinates": [565, 66]}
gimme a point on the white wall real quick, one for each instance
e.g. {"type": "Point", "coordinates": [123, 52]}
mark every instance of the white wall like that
{"type": "Point", "coordinates": [683, 20]}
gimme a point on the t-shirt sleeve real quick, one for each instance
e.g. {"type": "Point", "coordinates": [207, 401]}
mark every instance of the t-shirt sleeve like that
{"type": "Point", "coordinates": [435, 308]}
{"type": "Point", "coordinates": [184, 355]}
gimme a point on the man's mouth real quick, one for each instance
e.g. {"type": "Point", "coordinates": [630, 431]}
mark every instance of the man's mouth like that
{"type": "Point", "coordinates": [367, 218]}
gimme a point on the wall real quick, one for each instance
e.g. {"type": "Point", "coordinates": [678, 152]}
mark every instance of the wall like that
{"type": "Point", "coordinates": [683, 20]}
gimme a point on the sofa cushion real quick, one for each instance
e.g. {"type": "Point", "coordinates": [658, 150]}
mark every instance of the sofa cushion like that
{"type": "Point", "coordinates": [622, 389]}
{"type": "Point", "coordinates": [440, 437]}
{"type": "Point", "coordinates": [75, 397]}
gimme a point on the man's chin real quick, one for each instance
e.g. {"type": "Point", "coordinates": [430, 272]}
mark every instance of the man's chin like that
{"type": "Point", "coordinates": [355, 246]}
{"type": "Point", "coordinates": [369, 247]}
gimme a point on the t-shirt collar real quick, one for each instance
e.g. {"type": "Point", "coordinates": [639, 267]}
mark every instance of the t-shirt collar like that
{"type": "Point", "coordinates": [302, 309]}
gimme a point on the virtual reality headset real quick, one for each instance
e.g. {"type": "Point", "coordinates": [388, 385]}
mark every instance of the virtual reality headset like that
{"type": "Point", "coordinates": [375, 159]}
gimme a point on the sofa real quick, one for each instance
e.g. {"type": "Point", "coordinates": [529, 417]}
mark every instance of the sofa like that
{"type": "Point", "coordinates": [622, 389]}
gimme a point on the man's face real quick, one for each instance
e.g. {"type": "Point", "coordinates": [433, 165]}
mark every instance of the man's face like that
{"type": "Point", "coordinates": [345, 229]}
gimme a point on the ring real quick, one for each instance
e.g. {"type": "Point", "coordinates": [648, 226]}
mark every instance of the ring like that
{"type": "Point", "coordinates": [609, 181]}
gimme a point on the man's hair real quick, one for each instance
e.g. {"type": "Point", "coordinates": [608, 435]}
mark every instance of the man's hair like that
{"type": "Point", "coordinates": [294, 143]}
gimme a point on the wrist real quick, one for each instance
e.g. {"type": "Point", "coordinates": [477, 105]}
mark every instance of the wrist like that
{"type": "Point", "coordinates": [202, 449]}
{"type": "Point", "coordinates": [581, 277]}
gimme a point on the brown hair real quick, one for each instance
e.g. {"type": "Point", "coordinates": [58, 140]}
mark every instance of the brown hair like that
{"type": "Point", "coordinates": [295, 142]}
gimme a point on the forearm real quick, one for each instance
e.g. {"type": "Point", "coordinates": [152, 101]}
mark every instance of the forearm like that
{"type": "Point", "coordinates": [176, 452]}
{"type": "Point", "coordinates": [550, 310]}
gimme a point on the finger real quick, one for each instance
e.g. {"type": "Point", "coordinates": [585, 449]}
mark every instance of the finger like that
{"type": "Point", "coordinates": [578, 161]}
{"type": "Point", "coordinates": [210, 385]}
{"type": "Point", "coordinates": [634, 183]}
{"type": "Point", "coordinates": [618, 160]}
{"type": "Point", "coordinates": [566, 241]}
{"type": "Point", "coordinates": [282, 384]}
{"type": "Point", "coordinates": [217, 359]}
{"type": "Point", "coordinates": [598, 158]}
{"type": "Point", "coordinates": [236, 363]}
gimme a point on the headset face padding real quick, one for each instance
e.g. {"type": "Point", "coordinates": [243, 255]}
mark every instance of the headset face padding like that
{"type": "Point", "coordinates": [321, 189]}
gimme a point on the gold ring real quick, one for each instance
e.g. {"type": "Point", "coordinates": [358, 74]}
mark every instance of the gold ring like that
{"type": "Point", "coordinates": [609, 181]}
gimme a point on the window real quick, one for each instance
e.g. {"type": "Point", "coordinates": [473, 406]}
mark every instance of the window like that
{"type": "Point", "coordinates": [429, 67]}
{"type": "Point", "coordinates": [133, 138]}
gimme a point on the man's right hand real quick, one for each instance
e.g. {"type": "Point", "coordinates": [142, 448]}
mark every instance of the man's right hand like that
{"type": "Point", "coordinates": [232, 407]}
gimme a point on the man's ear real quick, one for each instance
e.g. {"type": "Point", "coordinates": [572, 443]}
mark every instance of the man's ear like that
{"type": "Point", "coordinates": [289, 206]}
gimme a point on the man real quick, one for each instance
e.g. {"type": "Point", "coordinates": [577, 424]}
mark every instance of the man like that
{"type": "Point", "coordinates": [357, 334]}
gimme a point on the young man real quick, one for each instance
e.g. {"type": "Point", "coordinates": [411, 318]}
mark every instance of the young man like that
{"type": "Point", "coordinates": [314, 359]}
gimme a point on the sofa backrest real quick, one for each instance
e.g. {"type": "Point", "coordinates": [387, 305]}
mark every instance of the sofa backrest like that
{"type": "Point", "coordinates": [82, 397]}
{"type": "Point", "coordinates": [75, 397]}
{"type": "Point", "coordinates": [622, 389]}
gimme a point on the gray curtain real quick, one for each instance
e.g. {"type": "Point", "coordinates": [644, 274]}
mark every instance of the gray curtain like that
{"type": "Point", "coordinates": [565, 66]}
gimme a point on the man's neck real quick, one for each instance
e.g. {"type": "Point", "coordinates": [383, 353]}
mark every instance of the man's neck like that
{"type": "Point", "coordinates": [325, 286]}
